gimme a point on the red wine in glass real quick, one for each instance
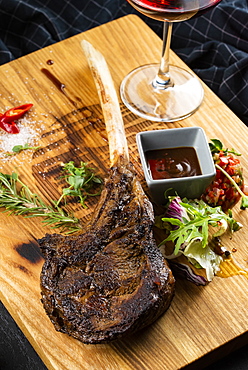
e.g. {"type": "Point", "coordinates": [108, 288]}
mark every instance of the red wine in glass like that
{"type": "Point", "coordinates": [164, 92]}
{"type": "Point", "coordinates": [173, 10]}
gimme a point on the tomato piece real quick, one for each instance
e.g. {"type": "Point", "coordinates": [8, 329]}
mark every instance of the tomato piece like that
{"type": "Point", "coordinates": [223, 161]}
{"type": "Point", "coordinates": [221, 191]}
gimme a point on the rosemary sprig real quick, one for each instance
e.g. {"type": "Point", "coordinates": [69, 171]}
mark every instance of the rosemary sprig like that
{"type": "Point", "coordinates": [17, 198]}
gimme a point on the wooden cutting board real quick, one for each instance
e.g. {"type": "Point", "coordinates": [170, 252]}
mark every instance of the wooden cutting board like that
{"type": "Point", "coordinates": [203, 323]}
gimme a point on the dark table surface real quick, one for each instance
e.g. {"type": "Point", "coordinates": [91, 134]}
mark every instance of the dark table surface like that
{"type": "Point", "coordinates": [16, 353]}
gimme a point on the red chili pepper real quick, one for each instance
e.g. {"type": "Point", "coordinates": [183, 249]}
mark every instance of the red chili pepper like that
{"type": "Point", "coordinates": [7, 120]}
{"type": "Point", "coordinates": [9, 127]}
{"type": "Point", "coordinates": [16, 113]}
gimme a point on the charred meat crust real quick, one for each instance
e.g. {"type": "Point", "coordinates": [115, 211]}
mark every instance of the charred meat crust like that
{"type": "Point", "coordinates": [110, 280]}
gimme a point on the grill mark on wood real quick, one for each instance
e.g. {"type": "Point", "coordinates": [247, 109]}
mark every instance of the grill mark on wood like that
{"type": "Point", "coordinates": [22, 268]}
{"type": "Point", "coordinates": [30, 251]}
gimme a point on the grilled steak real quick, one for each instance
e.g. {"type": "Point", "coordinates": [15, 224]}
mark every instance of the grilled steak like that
{"type": "Point", "coordinates": [110, 280]}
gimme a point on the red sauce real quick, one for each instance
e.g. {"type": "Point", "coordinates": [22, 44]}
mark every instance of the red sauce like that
{"type": "Point", "coordinates": [173, 162]}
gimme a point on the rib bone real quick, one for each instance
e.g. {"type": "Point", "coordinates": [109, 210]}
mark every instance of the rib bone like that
{"type": "Point", "coordinates": [110, 280]}
{"type": "Point", "coordinates": [109, 102]}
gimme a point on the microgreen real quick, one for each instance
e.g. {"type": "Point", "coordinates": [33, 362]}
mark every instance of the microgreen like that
{"type": "Point", "coordinates": [81, 180]}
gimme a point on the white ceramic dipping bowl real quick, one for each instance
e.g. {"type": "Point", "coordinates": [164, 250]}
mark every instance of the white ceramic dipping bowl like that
{"type": "Point", "coordinates": [190, 187]}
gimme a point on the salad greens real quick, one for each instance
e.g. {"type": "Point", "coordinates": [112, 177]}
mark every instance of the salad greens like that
{"type": "Point", "coordinates": [188, 224]}
{"type": "Point", "coordinates": [204, 258]}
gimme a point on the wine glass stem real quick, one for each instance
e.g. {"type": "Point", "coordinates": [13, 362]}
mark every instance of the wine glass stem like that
{"type": "Point", "coordinates": [162, 79]}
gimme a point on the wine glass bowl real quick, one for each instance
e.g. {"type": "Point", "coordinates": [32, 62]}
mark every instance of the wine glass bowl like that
{"type": "Point", "coordinates": [178, 100]}
{"type": "Point", "coordinates": [164, 92]}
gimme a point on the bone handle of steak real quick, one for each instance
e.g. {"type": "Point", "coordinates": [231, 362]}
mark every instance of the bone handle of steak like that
{"type": "Point", "coordinates": [109, 103]}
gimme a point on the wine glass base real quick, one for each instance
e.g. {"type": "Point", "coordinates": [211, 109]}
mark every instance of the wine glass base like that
{"type": "Point", "coordinates": [167, 104]}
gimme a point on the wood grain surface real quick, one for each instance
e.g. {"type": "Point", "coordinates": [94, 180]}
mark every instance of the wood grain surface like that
{"type": "Point", "coordinates": [67, 123]}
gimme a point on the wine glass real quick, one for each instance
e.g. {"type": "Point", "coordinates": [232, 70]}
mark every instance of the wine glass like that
{"type": "Point", "coordinates": [163, 92]}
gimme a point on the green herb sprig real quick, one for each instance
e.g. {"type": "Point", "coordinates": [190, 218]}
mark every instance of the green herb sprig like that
{"type": "Point", "coordinates": [19, 148]}
{"type": "Point", "coordinates": [81, 180]}
{"type": "Point", "coordinates": [17, 198]}
{"type": "Point", "coordinates": [216, 146]}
